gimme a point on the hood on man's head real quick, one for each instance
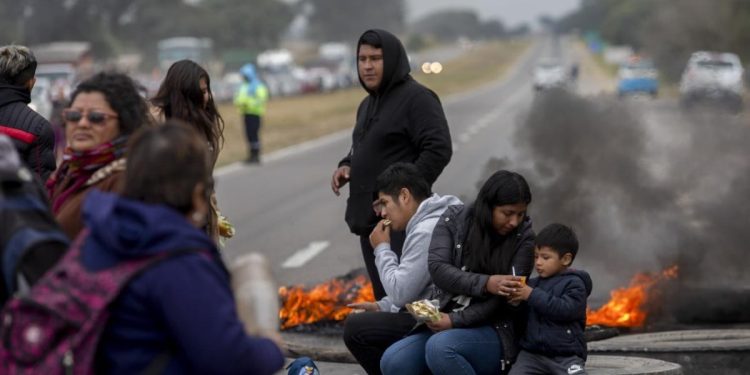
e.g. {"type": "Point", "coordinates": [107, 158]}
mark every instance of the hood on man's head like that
{"type": "Point", "coordinates": [396, 67]}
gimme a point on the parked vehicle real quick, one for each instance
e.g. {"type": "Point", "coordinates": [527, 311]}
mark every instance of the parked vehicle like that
{"type": "Point", "coordinates": [550, 74]}
{"type": "Point", "coordinates": [638, 77]}
{"type": "Point", "coordinates": [713, 76]}
{"type": "Point", "coordinates": [279, 72]}
{"type": "Point", "coordinates": [41, 99]}
{"type": "Point", "coordinates": [171, 50]}
{"type": "Point", "coordinates": [225, 88]}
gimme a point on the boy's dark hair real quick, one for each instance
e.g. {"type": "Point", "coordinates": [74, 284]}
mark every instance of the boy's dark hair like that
{"type": "Point", "coordinates": [403, 175]}
{"type": "Point", "coordinates": [558, 237]}
{"type": "Point", "coordinates": [371, 38]}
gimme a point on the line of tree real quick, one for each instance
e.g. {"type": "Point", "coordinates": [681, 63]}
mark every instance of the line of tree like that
{"type": "Point", "coordinates": [345, 20]}
{"type": "Point", "coordinates": [667, 30]}
{"type": "Point", "coordinates": [447, 25]}
{"type": "Point", "coordinates": [114, 26]}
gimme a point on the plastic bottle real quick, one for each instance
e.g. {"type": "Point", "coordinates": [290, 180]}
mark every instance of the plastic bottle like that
{"type": "Point", "coordinates": [256, 293]}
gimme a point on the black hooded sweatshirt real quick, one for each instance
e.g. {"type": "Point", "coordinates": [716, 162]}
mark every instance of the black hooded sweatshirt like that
{"type": "Point", "coordinates": [31, 133]}
{"type": "Point", "coordinates": [402, 121]}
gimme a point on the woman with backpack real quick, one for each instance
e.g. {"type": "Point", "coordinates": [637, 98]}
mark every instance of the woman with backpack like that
{"type": "Point", "coordinates": [476, 254]}
{"type": "Point", "coordinates": [145, 262]}
{"type": "Point", "coordinates": [104, 111]}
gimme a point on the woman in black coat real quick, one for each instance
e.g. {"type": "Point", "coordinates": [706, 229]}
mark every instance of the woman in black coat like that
{"type": "Point", "coordinates": [474, 254]}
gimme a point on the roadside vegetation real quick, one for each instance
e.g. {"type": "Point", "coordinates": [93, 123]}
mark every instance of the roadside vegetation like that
{"type": "Point", "coordinates": [669, 30]}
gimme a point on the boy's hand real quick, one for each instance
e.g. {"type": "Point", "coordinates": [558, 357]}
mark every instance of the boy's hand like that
{"type": "Point", "coordinates": [442, 324]}
{"type": "Point", "coordinates": [380, 234]}
{"type": "Point", "coordinates": [503, 285]}
{"type": "Point", "coordinates": [522, 293]}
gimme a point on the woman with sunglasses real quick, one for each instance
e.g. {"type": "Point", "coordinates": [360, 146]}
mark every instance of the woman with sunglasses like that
{"type": "Point", "coordinates": [104, 111]}
{"type": "Point", "coordinates": [185, 94]}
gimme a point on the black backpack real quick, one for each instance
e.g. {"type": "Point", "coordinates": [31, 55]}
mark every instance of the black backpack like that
{"type": "Point", "coordinates": [31, 241]}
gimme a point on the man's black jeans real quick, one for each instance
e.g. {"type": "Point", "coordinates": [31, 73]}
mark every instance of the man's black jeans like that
{"type": "Point", "coordinates": [367, 335]}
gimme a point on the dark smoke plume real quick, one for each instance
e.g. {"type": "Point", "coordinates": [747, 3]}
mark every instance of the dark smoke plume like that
{"type": "Point", "coordinates": [644, 186]}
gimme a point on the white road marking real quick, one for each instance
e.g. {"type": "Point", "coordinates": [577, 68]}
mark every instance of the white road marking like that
{"type": "Point", "coordinates": [302, 256]}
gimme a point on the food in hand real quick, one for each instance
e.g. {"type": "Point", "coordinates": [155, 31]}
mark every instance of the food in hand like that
{"type": "Point", "coordinates": [424, 310]}
{"type": "Point", "coordinates": [226, 229]}
{"type": "Point", "coordinates": [386, 223]}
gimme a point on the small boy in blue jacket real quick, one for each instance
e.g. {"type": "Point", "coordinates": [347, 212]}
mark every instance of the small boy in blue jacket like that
{"type": "Point", "coordinates": [553, 342]}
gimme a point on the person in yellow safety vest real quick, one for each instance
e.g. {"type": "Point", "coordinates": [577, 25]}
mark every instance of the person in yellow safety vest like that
{"type": "Point", "coordinates": [251, 100]}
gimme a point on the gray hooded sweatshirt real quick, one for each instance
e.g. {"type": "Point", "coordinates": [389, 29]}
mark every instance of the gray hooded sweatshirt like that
{"type": "Point", "coordinates": [409, 280]}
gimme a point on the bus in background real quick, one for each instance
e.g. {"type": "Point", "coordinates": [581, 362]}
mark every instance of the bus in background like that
{"type": "Point", "coordinates": [171, 50]}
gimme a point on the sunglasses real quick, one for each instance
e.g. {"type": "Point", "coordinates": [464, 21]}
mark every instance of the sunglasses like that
{"type": "Point", "coordinates": [94, 117]}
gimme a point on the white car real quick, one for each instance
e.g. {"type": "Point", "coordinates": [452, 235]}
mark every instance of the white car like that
{"type": "Point", "coordinates": [41, 101]}
{"type": "Point", "coordinates": [712, 76]}
{"type": "Point", "coordinates": [550, 74]}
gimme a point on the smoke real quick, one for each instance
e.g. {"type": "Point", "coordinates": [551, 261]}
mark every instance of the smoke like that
{"type": "Point", "coordinates": [644, 186]}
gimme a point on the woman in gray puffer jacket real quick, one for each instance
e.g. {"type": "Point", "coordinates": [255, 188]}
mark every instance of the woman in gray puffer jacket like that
{"type": "Point", "coordinates": [475, 251]}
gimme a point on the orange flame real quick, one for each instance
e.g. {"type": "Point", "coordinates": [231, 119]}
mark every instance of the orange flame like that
{"type": "Point", "coordinates": [326, 301]}
{"type": "Point", "coordinates": [625, 307]}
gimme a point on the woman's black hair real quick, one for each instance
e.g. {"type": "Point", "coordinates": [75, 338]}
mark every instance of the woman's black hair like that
{"type": "Point", "coordinates": [180, 97]}
{"type": "Point", "coordinates": [483, 247]}
{"type": "Point", "coordinates": [122, 94]}
{"type": "Point", "coordinates": [183, 162]}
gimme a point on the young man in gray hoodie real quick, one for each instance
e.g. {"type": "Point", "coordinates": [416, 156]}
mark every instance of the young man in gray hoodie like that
{"type": "Point", "coordinates": [404, 203]}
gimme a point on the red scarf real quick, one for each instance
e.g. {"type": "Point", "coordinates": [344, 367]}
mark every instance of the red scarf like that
{"type": "Point", "coordinates": [78, 166]}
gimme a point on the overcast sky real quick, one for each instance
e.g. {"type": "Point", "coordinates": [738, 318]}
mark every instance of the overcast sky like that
{"type": "Point", "coordinates": [511, 12]}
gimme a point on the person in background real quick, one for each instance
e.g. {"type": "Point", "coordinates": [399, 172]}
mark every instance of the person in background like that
{"type": "Point", "coordinates": [104, 111]}
{"type": "Point", "coordinates": [476, 254]}
{"type": "Point", "coordinates": [554, 342]}
{"type": "Point", "coordinates": [31, 241]}
{"type": "Point", "coordinates": [59, 94]}
{"type": "Point", "coordinates": [400, 120]}
{"type": "Point", "coordinates": [405, 201]}
{"type": "Point", "coordinates": [181, 307]}
{"type": "Point", "coordinates": [251, 100]}
{"type": "Point", "coordinates": [31, 133]}
{"type": "Point", "coordinates": [185, 94]}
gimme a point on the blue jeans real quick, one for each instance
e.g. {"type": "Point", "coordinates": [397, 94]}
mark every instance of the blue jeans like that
{"type": "Point", "coordinates": [454, 351]}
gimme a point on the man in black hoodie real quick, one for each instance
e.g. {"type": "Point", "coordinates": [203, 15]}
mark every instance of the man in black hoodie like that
{"type": "Point", "coordinates": [399, 121]}
{"type": "Point", "coordinates": [31, 133]}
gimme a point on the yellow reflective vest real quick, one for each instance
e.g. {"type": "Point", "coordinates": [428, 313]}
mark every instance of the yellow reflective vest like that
{"type": "Point", "coordinates": [254, 104]}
